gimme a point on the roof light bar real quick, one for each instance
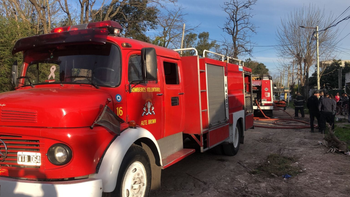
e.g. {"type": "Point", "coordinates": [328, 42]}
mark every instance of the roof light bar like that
{"type": "Point", "coordinates": [112, 27]}
{"type": "Point", "coordinates": [60, 29]}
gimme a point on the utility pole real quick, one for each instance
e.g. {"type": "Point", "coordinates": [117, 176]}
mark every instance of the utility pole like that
{"type": "Point", "coordinates": [182, 39]}
{"type": "Point", "coordinates": [317, 59]}
{"type": "Point", "coordinates": [293, 73]}
{"type": "Point", "coordinates": [283, 78]}
{"type": "Point", "coordinates": [288, 92]}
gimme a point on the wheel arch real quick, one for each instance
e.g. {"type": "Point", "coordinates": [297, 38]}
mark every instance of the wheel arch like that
{"type": "Point", "coordinates": [155, 161]}
{"type": "Point", "coordinates": [238, 119]}
{"type": "Point", "coordinates": [111, 161]}
{"type": "Point", "coordinates": [241, 124]}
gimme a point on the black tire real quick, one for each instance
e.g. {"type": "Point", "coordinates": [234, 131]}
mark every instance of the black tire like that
{"type": "Point", "coordinates": [135, 164]}
{"type": "Point", "coordinates": [231, 149]}
{"type": "Point", "coordinates": [217, 150]}
{"type": "Point", "coordinates": [271, 114]}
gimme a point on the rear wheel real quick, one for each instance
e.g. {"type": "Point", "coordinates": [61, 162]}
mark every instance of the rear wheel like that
{"type": "Point", "coordinates": [134, 179]}
{"type": "Point", "coordinates": [232, 148]}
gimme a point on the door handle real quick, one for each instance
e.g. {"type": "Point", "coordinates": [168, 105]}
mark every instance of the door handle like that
{"type": "Point", "coordinates": [160, 94]}
{"type": "Point", "coordinates": [181, 93]}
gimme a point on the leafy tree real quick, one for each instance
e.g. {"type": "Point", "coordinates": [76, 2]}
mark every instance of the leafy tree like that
{"type": "Point", "coordinates": [10, 31]}
{"type": "Point", "coordinates": [136, 17]}
{"type": "Point", "coordinates": [329, 79]}
{"type": "Point", "coordinates": [189, 42]}
{"type": "Point", "coordinates": [159, 41]}
{"type": "Point", "coordinates": [257, 68]}
{"type": "Point", "coordinates": [203, 43]}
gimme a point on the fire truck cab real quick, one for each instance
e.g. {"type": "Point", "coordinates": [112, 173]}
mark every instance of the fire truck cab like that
{"type": "Point", "coordinates": [263, 95]}
{"type": "Point", "coordinates": [95, 114]}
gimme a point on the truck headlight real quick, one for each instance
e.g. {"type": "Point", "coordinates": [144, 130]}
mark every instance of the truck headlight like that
{"type": "Point", "coordinates": [59, 154]}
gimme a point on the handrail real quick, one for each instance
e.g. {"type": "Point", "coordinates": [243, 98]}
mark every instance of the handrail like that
{"type": "Point", "coordinates": [222, 56]}
{"type": "Point", "coordinates": [238, 60]}
{"type": "Point", "coordinates": [187, 49]}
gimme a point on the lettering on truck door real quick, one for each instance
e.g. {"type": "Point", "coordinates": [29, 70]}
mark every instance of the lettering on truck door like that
{"type": "Point", "coordinates": [145, 100]}
{"type": "Point", "coordinates": [173, 97]}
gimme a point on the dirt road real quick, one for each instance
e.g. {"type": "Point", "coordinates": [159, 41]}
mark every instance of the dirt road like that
{"type": "Point", "coordinates": [207, 174]}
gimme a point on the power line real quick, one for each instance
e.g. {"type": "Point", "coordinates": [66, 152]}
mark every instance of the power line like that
{"type": "Point", "coordinates": [342, 38]}
{"type": "Point", "coordinates": [344, 19]}
{"type": "Point", "coordinates": [339, 16]}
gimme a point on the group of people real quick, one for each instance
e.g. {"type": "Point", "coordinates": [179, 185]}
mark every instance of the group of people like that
{"type": "Point", "coordinates": [342, 101]}
{"type": "Point", "coordinates": [322, 106]}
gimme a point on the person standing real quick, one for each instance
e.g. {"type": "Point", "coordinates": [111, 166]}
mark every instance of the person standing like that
{"type": "Point", "coordinates": [299, 105]}
{"type": "Point", "coordinates": [337, 97]}
{"type": "Point", "coordinates": [312, 105]}
{"type": "Point", "coordinates": [327, 110]}
{"type": "Point", "coordinates": [348, 113]}
{"type": "Point", "coordinates": [321, 95]}
{"type": "Point", "coordinates": [335, 104]}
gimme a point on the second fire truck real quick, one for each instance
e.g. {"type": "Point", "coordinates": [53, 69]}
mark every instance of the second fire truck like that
{"type": "Point", "coordinates": [263, 95]}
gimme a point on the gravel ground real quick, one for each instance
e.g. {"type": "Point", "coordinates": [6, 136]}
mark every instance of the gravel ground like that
{"type": "Point", "coordinates": [208, 174]}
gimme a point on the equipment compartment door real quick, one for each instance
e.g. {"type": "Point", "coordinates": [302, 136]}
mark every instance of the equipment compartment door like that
{"type": "Point", "coordinates": [216, 95]}
{"type": "Point", "coordinates": [173, 97]}
{"type": "Point", "coordinates": [248, 101]}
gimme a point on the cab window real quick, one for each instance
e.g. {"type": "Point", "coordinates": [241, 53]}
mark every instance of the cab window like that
{"type": "Point", "coordinates": [135, 68]}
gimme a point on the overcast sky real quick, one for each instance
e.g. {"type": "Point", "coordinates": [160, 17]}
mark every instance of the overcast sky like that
{"type": "Point", "coordinates": [267, 18]}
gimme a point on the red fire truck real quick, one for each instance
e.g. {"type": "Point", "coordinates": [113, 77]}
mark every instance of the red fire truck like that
{"type": "Point", "coordinates": [95, 114]}
{"type": "Point", "coordinates": [263, 95]}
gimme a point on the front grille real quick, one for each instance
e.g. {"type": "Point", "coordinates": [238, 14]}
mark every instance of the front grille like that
{"type": "Point", "coordinates": [18, 116]}
{"type": "Point", "coordinates": [17, 144]}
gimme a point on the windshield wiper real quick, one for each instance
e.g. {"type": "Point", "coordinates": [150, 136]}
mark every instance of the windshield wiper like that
{"type": "Point", "coordinates": [134, 83]}
{"type": "Point", "coordinates": [26, 77]}
{"type": "Point", "coordinates": [88, 78]}
{"type": "Point", "coordinates": [95, 85]}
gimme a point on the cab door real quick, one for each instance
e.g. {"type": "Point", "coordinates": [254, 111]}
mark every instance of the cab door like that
{"type": "Point", "coordinates": [145, 99]}
{"type": "Point", "coordinates": [248, 101]}
{"type": "Point", "coordinates": [173, 96]}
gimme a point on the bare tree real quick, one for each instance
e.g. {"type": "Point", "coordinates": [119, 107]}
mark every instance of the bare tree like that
{"type": "Point", "coordinates": [21, 11]}
{"type": "Point", "coordinates": [65, 9]}
{"type": "Point", "coordinates": [107, 9]}
{"type": "Point", "coordinates": [171, 24]}
{"type": "Point", "coordinates": [17, 9]}
{"type": "Point", "coordinates": [238, 25]}
{"type": "Point", "coordinates": [45, 10]}
{"type": "Point", "coordinates": [298, 43]}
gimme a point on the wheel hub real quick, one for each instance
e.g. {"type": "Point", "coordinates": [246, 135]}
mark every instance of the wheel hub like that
{"type": "Point", "coordinates": [134, 184]}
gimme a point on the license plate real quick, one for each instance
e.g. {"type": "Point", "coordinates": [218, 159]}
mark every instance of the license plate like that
{"type": "Point", "coordinates": [28, 158]}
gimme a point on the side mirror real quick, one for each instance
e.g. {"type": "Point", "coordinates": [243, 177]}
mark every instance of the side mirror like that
{"type": "Point", "coordinates": [149, 64]}
{"type": "Point", "coordinates": [14, 74]}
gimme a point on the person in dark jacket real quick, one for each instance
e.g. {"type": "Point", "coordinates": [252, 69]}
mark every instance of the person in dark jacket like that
{"type": "Point", "coordinates": [312, 105]}
{"type": "Point", "coordinates": [299, 105]}
{"type": "Point", "coordinates": [327, 110]}
{"type": "Point", "coordinates": [321, 95]}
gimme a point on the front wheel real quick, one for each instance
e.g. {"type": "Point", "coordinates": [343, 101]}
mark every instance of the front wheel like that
{"type": "Point", "coordinates": [232, 148]}
{"type": "Point", "coordinates": [134, 177]}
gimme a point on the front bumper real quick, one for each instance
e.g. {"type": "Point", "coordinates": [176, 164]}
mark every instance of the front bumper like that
{"type": "Point", "coordinates": [263, 107]}
{"type": "Point", "coordinates": [10, 187]}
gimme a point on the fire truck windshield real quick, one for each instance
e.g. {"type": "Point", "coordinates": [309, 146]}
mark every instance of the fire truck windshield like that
{"type": "Point", "coordinates": [99, 65]}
